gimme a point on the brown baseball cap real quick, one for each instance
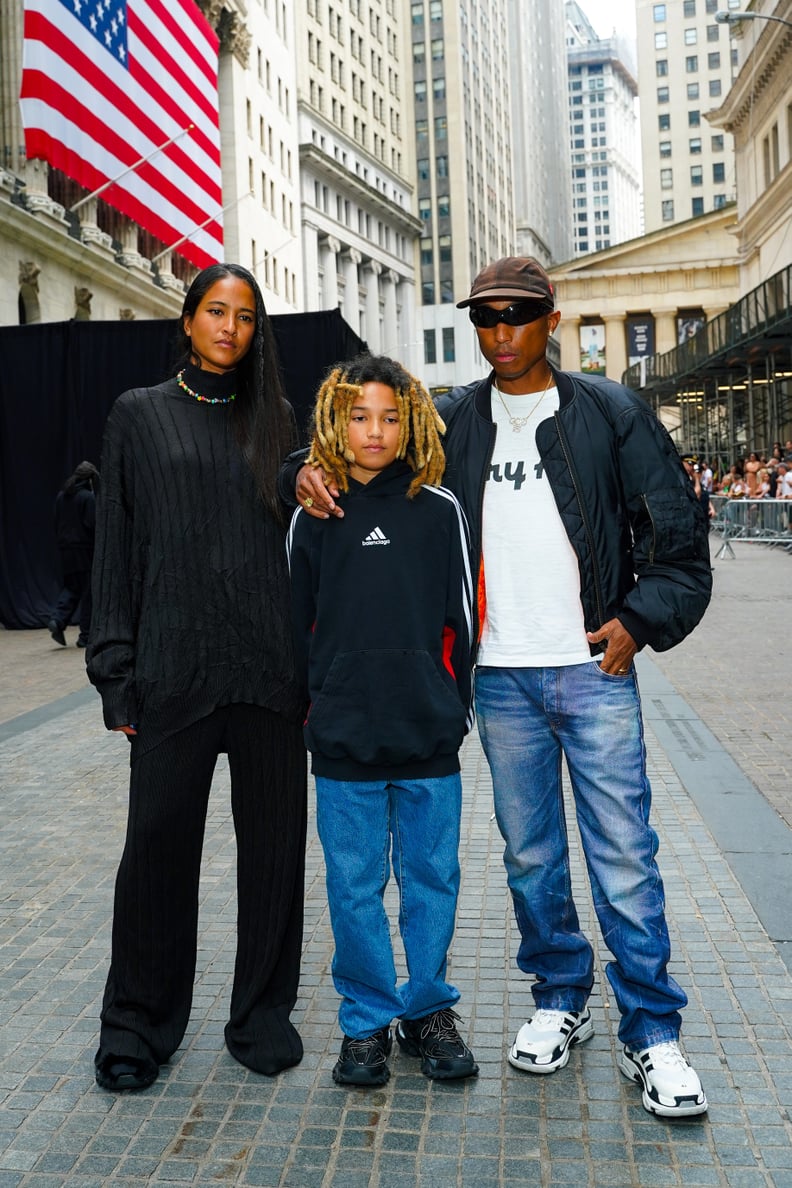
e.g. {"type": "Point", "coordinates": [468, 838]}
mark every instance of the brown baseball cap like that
{"type": "Point", "coordinates": [519, 278]}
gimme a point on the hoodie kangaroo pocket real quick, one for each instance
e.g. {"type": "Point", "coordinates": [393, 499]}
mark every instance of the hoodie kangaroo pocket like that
{"type": "Point", "coordinates": [385, 707]}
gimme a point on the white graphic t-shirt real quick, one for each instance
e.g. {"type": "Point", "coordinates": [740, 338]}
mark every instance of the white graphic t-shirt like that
{"type": "Point", "coordinates": [534, 616]}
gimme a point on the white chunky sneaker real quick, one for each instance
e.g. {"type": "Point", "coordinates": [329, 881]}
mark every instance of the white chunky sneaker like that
{"type": "Point", "coordinates": [671, 1087]}
{"type": "Point", "coordinates": [543, 1043]}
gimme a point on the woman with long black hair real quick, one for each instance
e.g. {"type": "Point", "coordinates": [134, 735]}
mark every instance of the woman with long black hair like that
{"type": "Point", "coordinates": [190, 650]}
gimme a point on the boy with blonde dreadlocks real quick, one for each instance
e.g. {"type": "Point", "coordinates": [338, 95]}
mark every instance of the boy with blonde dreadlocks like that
{"type": "Point", "coordinates": [382, 625]}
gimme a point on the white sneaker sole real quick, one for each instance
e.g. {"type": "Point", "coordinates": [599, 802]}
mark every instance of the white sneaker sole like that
{"type": "Point", "coordinates": [685, 1107]}
{"type": "Point", "coordinates": [583, 1031]}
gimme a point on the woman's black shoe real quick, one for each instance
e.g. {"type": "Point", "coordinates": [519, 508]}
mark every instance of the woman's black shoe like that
{"type": "Point", "coordinates": [118, 1073]}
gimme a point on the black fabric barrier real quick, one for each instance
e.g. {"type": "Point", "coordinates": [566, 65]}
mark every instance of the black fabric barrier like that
{"type": "Point", "coordinates": [57, 383]}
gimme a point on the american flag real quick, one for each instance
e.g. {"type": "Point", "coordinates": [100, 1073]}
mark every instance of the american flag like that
{"type": "Point", "coordinates": [104, 83]}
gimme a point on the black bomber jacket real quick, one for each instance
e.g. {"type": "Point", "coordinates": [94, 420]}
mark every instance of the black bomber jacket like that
{"type": "Point", "coordinates": [627, 505]}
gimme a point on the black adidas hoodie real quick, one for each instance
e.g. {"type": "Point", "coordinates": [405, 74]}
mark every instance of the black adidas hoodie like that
{"type": "Point", "coordinates": [382, 612]}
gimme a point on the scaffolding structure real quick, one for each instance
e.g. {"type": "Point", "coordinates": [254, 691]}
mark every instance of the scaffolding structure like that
{"type": "Point", "coordinates": [728, 389]}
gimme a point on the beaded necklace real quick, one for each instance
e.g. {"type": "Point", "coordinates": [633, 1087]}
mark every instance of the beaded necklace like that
{"type": "Point", "coordinates": [204, 399]}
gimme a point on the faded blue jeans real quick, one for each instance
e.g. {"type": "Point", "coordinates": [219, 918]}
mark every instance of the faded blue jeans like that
{"type": "Point", "coordinates": [527, 718]}
{"type": "Point", "coordinates": [364, 827]}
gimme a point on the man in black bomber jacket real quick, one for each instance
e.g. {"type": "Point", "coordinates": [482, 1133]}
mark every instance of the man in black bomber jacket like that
{"type": "Point", "coordinates": [589, 544]}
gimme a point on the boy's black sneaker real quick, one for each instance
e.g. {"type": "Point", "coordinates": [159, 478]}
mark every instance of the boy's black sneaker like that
{"type": "Point", "coordinates": [444, 1054]}
{"type": "Point", "coordinates": [364, 1061]}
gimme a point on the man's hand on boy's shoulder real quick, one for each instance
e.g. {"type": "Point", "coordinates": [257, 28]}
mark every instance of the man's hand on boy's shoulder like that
{"type": "Point", "coordinates": [314, 496]}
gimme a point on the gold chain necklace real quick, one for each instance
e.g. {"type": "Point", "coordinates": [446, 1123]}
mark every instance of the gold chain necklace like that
{"type": "Point", "coordinates": [518, 423]}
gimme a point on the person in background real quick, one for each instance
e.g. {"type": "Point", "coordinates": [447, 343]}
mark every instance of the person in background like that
{"type": "Point", "coordinates": [191, 652]}
{"type": "Point", "coordinates": [75, 525]}
{"type": "Point", "coordinates": [382, 606]}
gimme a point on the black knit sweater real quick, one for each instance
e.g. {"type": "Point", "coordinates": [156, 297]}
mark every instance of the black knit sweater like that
{"type": "Point", "coordinates": [190, 585]}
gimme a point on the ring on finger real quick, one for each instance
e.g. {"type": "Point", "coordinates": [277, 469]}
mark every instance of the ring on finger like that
{"type": "Point", "coordinates": [308, 501]}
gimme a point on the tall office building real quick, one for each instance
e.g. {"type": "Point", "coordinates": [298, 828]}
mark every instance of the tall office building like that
{"type": "Point", "coordinates": [357, 168]}
{"type": "Point", "coordinates": [686, 61]}
{"type": "Point", "coordinates": [603, 134]}
{"type": "Point", "coordinates": [460, 77]}
{"type": "Point", "coordinates": [542, 182]}
{"type": "Point", "coordinates": [258, 103]}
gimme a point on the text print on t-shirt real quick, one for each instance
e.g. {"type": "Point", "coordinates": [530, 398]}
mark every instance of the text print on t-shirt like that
{"type": "Point", "coordinates": [514, 472]}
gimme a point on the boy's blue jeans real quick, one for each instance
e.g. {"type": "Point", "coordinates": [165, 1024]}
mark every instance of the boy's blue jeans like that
{"type": "Point", "coordinates": [527, 717]}
{"type": "Point", "coordinates": [363, 827]}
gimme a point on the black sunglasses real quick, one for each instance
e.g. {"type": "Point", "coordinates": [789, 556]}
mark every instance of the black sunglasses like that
{"type": "Point", "coordinates": [520, 313]}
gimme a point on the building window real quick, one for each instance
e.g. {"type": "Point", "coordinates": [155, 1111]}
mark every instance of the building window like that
{"type": "Point", "coordinates": [713, 32]}
{"type": "Point", "coordinates": [430, 346]}
{"type": "Point", "coordinates": [419, 51]}
{"type": "Point", "coordinates": [668, 210]}
{"type": "Point", "coordinates": [719, 172]}
{"type": "Point", "coordinates": [691, 36]}
{"type": "Point", "coordinates": [443, 207]}
{"type": "Point", "coordinates": [694, 118]}
{"type": "Point", "coordinates": [658, 13]}
{"type": "Point", "coordinates": [438, 89]}
{"type": "Point", "coordinates": [714, 87]}
{"type": "Point", "coordinates": [449, 350]}
{"type": "Point", "coordinates": [711, 5]}
{"type": "Point", "coordinates": [661, 67]}
{"type": "Point", "coordinates": [717, 143]}
{"type": "Point", "coordinates": [692, 90]}
{"type": "Point", "coordinates": [694, 144]}
{"type": "Point", "coordinates": [665, 148]}
{"type": "Point", "coordinates": [697, 206]}
{"type": "Point", "coordinates": [420, 92]}
{"type": "Point", "coordinates": [689, 8]}
{"type": "Point", "coordinates": [427, 255]}
{"type": "Point", "coordinates": [661, 41]}
{"type": "Point", "coordinates": [696, 175]}
{"type": "Point", "coordinates": [438, 49]}
{"type": "Point", "coordinates": [713, 61]}
{"type": "Point", "coordinates": [691, 64]}
{"type": "Point", "coordinates": [662, 94]}
{"type": "Point", "coordinates": [423, 169]}
{"type": "Point", "coordinates": [718, 201]}
{"type": "Point", "coordinates": [427, 292]}
{"type": "Point", "coordinates": [441, 128]}
{"type": "Point", "coordinates": [425, 209]}
{"type": "Point", "coordinates": [664, 122]}
{"type": "Point", "coordinates": [441, 165]}
{"type": "Point", "coordinates": [417, 13]}
{"type": "Point", "coordinates": [666, 179]}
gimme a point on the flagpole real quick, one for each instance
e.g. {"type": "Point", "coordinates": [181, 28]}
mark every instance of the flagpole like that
{"type": "Point", "coordinates": [172, 247]}
{"type": "Point", "coordinates": [130, 169]}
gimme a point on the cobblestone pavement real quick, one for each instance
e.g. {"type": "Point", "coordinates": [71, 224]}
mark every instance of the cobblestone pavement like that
{"type": "Point", "coordinates": [208, 1120]}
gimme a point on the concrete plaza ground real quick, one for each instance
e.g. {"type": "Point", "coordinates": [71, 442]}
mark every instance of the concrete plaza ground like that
{"type": "Point", "coordinates": [720, 755]}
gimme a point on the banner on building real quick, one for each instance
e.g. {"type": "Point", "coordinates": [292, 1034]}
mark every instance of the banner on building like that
{"type": "Point", "coordinates": [689, 322]}
{"type": "Point", "coordinates": [104, 85]}
{"type": "Point", "coordinates": [640, 338]}
{"type": "Point", "coordinates": [592, 349]}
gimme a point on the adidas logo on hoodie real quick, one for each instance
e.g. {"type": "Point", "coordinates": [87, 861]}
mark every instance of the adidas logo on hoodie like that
{"type": "Point", "coordinates": [377, 537]}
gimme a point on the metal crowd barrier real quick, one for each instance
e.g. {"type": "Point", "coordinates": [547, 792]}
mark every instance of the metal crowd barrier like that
{"type": "Point", "coordinates": [762, 521]}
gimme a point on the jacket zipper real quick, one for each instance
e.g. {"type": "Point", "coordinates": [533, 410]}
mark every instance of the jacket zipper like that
{"type": "Point", "coordinates": [584, 517]}
{"type": "Point", "coordinates": [645, 502]}
{"type": "Point", "coordinates": [480, 547]}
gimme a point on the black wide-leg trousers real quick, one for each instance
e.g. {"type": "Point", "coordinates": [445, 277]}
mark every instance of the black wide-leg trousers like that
{"type": "Point", "coordinates": [150, 984]}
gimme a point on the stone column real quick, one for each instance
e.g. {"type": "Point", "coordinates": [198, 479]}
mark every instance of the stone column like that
{"type": "Point", "coordinates": [11, 132]}
{"type": "Point", "coordinates": [391, 335]}
{"type": "Point", "coordinates": [665, 330]}
{"type": "Point", "coordinates": [312, 281]}
{"type": "Point", "coordinates": [350, 260]}
{"type": "Point", "coordinates": [329, 249]}
{"type": "Point", "coordinates": [569, 337]}
{"type": "Point", "coordinates": [371, 274]}
{"type": "Point", "coordinates": [615, 346]}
